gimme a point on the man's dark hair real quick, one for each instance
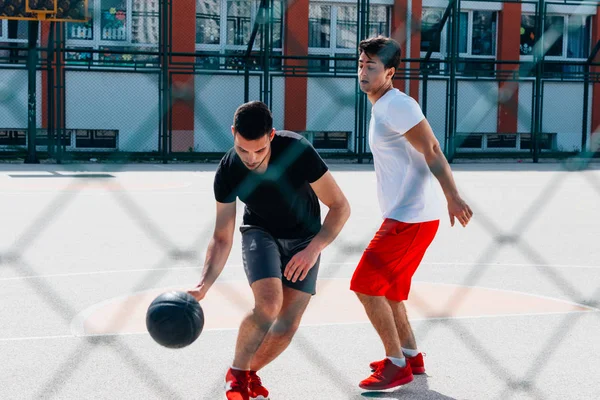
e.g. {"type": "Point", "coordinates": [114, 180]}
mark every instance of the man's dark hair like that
{"type": "Point", "coordinates": [253, 120]}
{"type": "Point", "coordinates": [388, 50]}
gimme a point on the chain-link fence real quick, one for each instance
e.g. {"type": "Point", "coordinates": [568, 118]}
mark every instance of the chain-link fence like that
{"type": "Point", "coordinates": [163, 104]}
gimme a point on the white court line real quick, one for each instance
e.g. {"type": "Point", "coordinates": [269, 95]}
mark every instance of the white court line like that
{"type": "Point", "coordinates": [448, 264]}
{"type": "Point", "coordinates": [17, 339]}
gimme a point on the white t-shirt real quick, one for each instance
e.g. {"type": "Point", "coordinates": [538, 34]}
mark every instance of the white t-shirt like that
{"type": "Point", "coordinates": [407, 190]}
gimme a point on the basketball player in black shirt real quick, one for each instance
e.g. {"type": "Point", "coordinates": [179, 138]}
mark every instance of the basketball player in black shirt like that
{"type": "Point", "coordinates": [280, 178]}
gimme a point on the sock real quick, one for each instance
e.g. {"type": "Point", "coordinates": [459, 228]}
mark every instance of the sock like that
{"type": "Point", "coordinates": [410, 352]}
{"type": "Point", "coordinates": [237, 369]}
{"type": "Point", "coordinates": [400, 362]}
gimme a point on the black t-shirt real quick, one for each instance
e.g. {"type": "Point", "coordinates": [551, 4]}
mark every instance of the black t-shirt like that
{"type": "Point", "coordinates": [280, 199]}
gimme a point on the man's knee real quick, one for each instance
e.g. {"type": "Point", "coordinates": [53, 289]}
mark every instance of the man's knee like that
{"type": "Point", "coordinates": [268, 300]}
{"type": "Point", "coordinates": [286, 326]}
{"type": "Point", "coordinates": [267, 310]}
{"type": "Point", "coordinates": [367, 299]}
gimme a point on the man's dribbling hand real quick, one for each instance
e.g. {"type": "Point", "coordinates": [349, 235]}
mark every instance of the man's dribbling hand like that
{"type": "Point", "coordinates": [199, 291]}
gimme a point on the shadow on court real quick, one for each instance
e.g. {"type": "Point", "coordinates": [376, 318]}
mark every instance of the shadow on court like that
{"type": "Point", "coordinates": [417, 389]}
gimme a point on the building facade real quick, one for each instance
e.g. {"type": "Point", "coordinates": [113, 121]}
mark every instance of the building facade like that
{"type": "Point", "coordinates": [112, 95]}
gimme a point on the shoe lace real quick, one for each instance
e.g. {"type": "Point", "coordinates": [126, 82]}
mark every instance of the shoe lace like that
{"type": "Point", "coordinates": [255, 380]}
{"type": "Point", "coordinates": [377, 373]}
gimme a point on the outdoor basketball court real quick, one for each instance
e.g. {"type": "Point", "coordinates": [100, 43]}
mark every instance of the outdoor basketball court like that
{"type": "Point", "coordinates": [507, 308]}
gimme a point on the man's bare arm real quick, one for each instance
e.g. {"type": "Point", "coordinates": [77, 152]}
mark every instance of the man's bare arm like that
{"type": "Point", "coordinates": [330, 194]}
{"type": "Point", "coordinates": [423, 140]}
{"type": "Point", "coordinates": [218, 249]}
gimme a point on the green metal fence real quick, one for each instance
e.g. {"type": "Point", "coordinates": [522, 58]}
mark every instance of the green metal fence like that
{"type": "Point", "coordinates": [460, 94]}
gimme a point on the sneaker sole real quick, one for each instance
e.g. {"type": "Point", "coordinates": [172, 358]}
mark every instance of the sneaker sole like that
{"type": "Point", "coordinates": [401, 382]}
{"type": "Point", "coordinates": [260, 398]}
{"type": "Point", "coordinates": [415, 371]}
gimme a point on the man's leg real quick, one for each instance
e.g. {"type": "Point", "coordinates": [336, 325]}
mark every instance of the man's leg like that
{"type": "Point", "coordinates": [420, 236]}
{"type": "Point", "coordinates": [283, 329]}
{"type": "Point", "coordinates": [405, 332]}
{"type": "Point", "coordinates": [268, 299]}
{"type": "Point", "coordinates": [381, 316]}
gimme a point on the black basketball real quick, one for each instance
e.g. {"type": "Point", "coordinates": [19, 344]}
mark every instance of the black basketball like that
{"type": "Point", "coordinates": [175, 319]}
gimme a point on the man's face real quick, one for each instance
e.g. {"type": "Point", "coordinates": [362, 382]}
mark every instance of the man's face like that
{"type": "Point", "coordinates": [253, 152]}
{"type": "Point", "coordinates": [372, 74]}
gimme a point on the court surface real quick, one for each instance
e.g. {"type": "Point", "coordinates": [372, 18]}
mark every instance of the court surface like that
{"type": "Point", "coordinates": [507, 308]}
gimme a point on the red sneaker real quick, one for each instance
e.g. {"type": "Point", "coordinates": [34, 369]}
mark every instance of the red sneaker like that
{"type": "Point", "coordinates": [417, 365]}
{"type": "Point", "coordinates": [256, 388]}
{"type": "Point", "coordinates": [236, 385]}
{"type": "Point", "coordinates": [387, 376]}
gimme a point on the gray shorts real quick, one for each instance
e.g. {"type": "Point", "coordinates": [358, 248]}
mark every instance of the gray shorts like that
{"type": "Point", "coordinates": [266, 257]}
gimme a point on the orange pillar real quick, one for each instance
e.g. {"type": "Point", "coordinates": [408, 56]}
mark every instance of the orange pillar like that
{"type": "Point", "coordinates": [184, 40]}
{"type": "Point", "coordinates": [509, 36]}
{"type": "Point", "coordinates": [52, 93]}
{"type": "Point", "coordinates": [595, 128]}
{"type": "Point", "coordinates": [399, 18]}
{"type": "Point", "coordinates": [296, 44]}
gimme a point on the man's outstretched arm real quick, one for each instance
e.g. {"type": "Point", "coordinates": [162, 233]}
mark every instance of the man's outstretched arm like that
{"type": "Point", "coordinates": [218, 249]}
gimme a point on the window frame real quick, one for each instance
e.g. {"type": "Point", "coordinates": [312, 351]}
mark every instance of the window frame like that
{"type": "Point", "coordinates": [333, 50]}
{"type": "Point", "coordinates": [223, 47]}
{"type": "Point", "coordinates": [468, 53]}
{"type": "Point", "coordinates": [565, 33]}
{"type": "Point", "coordinates": [97, 42]}
{"type": "Point", "coordinates": [4, 32]}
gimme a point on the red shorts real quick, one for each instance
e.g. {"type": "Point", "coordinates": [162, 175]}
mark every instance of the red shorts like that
{"type": "Point", "coordinates": [391, 259]}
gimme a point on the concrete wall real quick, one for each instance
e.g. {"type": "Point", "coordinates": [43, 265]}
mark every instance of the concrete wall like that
{"type": "Point", "coordinates": [217, 98]}
{"type": "Point", "coordinates": [330, 105]}
{"type": "Point", "coordinates": [128, 102]}
{"type": "Point", "coordinates": [13, 98]}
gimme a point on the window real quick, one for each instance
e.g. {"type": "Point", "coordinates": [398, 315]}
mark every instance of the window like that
{"type": "Point", "coordinates": [566, 36]}
{"type": "Point", "coordinates": [477, 36]}
{"type": "Point", "coordinates": [123, 25]}
{"type": "Point", "coordinates": [332, 32]}
{"type": "Point", "coordinates": [208, 22]}
{"type": "Point", "coordinates": [225, 27]}
{"type": "Point", "coordinates": [430, 24]}
{"type": "Point", "coordinates": [483, 40]}
{"type": "Point", "coordinates": [13, 33]}
{"type": "Point", "coordinates": [527, 35]}
{"type": "Point", "coordinates": [328, 140]}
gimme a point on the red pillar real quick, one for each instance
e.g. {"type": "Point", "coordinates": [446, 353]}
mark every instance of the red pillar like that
{"type": "Point", "coordinates": [184, 40]}
{"type": "Point", "coordinates": [296, 44]}
{"type": "Point", "coordinates": [509, 36]}
{"type": "Point", "coordinates": [52, 92]}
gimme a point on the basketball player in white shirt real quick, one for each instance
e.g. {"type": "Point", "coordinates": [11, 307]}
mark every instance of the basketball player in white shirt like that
{"type": "Point", "coordinates": [408, 160]}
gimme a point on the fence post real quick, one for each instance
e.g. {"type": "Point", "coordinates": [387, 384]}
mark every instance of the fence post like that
{"type": "Point", "coordinates": [165, 106]}
{"type": "Point", "coordinates": [538, 59]}
{"type": "Point", "coordinates": [32, 58]}
{"type": "Point", "coordinates": [452, 93]}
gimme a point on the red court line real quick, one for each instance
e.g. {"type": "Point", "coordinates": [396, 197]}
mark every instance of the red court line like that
{"type": "Point", "coordinates": [228, 302]}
